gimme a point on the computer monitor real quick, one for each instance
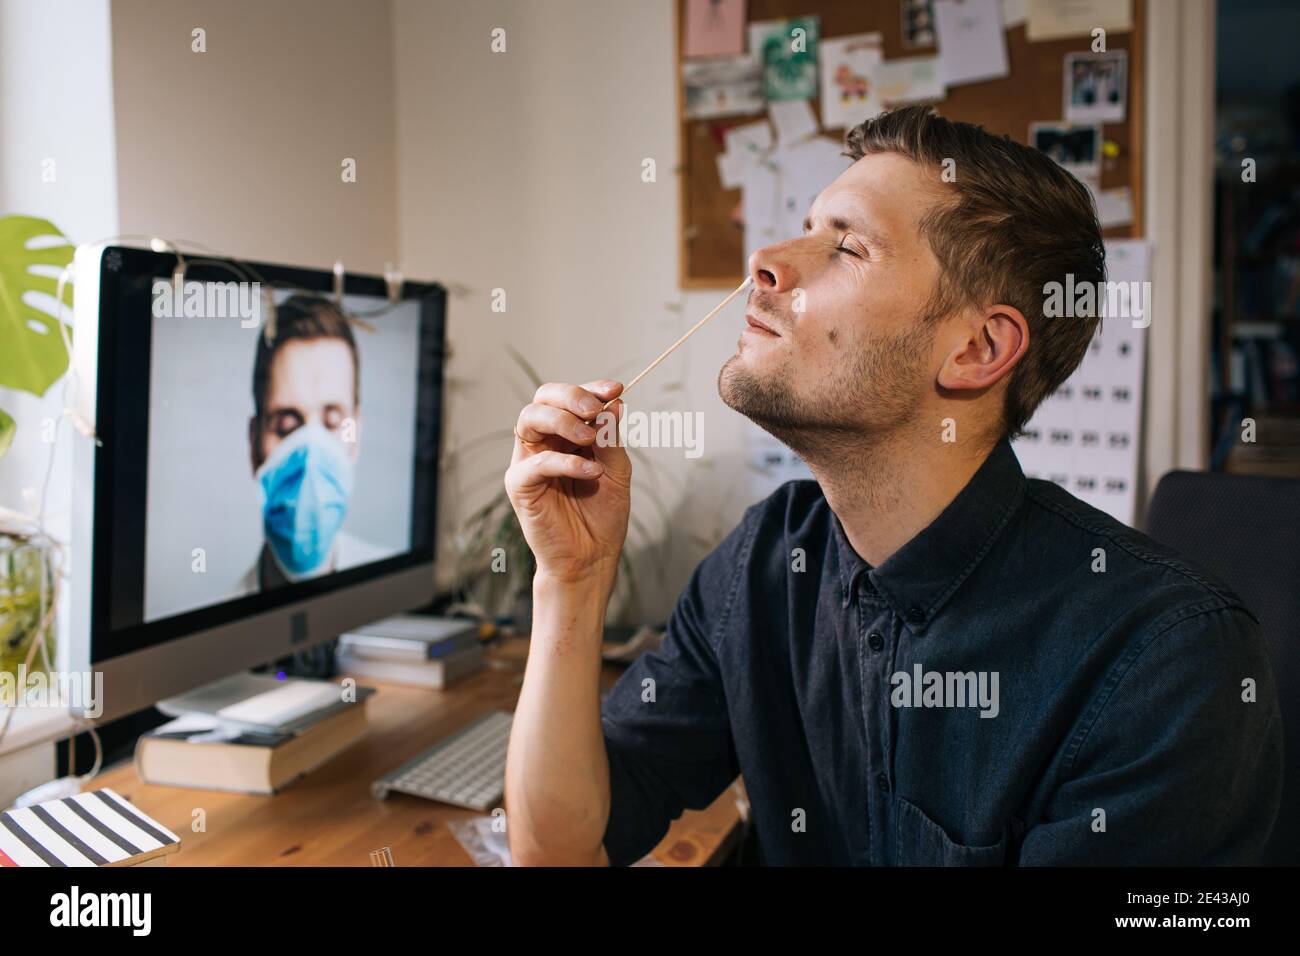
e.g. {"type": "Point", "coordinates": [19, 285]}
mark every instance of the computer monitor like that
{"type": "Point", "coordinates": [263, 478]}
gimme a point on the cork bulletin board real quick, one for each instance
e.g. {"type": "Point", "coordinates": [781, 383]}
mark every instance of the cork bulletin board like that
{"type": "Point", "coordinates": [711, 243]}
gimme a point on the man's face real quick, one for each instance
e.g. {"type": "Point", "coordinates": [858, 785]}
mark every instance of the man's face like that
{"type": "Point", "coordinates": [311, 380]}
{"type": "Point", "coordinates": [857, 357]}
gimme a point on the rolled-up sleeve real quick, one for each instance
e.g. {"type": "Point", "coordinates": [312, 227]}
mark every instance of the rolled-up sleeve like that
{"type": "Point", "coordinates": [1181, 763]}
{"type": "Point", "coordinates": [667, 730]}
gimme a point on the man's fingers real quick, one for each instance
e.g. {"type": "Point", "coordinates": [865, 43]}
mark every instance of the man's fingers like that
{"type": "Point", "coordinates": [584, 402]}
{"type": "Point", "coordinates": [538, 469]}
{"type": "Point", "coordinates": [538, 421]}
{"type": "Point", "coordinates": [608, 449]}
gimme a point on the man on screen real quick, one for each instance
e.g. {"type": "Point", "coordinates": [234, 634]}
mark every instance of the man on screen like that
{"type": "Point", "coordinates": [304, 439]}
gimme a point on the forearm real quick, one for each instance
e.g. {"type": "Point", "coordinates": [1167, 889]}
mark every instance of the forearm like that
{"type": "Point", "coordinates": [557, 775]}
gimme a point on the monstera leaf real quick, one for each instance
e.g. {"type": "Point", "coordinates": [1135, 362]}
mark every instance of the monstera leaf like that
{"type": "Point", "coordinates": [32, 353]}
{"type": "Point", "coordinates": [7, 429]}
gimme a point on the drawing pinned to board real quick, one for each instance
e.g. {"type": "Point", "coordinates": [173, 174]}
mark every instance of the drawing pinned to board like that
{"type": "Point", "coordinates": [787, 50]}
{"type": "Point", "coordinates": [722, 86]}
{"type": "Point", "coordinates": [1096, 86]}
{"type": "Point", "coordinates": [1076, 148]}
{"type": "Point", "coordinates": [714, 28]}
{"type": "Point", "coordinates": [848, 68]}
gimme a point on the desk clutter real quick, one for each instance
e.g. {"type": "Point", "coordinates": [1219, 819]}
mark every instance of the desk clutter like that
{"type": "Point", "coordinates": [205, 751]}
{"type": "Point", "coordinates": [98, 828]}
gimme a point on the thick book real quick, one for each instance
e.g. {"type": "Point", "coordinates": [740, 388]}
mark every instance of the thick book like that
{"type": "Point", "coordinates": [437, 673]}
{"type": "Point", "coordinates": [99, 828]}
{"type": "Point", "coordinates": [244, 761]}
{"type": "Point", "coordinates": [411, 637]}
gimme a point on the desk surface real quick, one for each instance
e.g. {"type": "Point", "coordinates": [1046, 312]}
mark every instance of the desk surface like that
{"type": "Point", "coordinates": [329, 818]}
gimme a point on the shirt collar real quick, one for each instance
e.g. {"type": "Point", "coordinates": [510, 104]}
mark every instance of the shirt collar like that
{"type": "Point", "coordinates": [920, 576]}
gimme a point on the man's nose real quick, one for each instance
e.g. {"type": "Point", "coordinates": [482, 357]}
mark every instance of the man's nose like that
{"type": "Point", "coordinates": [776, 268]}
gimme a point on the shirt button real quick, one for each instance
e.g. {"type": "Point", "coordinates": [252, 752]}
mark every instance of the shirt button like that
{"type": "Point", "coordinates": [876, 641]}
{"type": "Point", "coordinates": [883, 782]}
{"type": "Point", "coordinates": [915, 615]}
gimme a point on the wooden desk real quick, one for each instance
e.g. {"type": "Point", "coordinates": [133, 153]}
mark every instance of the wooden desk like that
{"type": "Point", "coordinates": [329, 818]}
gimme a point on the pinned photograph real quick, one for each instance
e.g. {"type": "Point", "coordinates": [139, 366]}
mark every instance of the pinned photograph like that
{"type": "Point", "coordinates": [1075, 147]}
{"type": "Point", "coordinates": [918, 23]}
{"type": "Point", "coordinates": [1096, 86]}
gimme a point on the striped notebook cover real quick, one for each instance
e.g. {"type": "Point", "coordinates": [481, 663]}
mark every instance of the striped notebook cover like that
{"type": "Point", "coordinates": [87, 829]}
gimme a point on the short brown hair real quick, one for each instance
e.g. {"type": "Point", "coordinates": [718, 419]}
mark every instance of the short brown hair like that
{"type": "Point", "coordinates": [1018, 222]}
{"type": "Point", "coordinates": [302, 317]}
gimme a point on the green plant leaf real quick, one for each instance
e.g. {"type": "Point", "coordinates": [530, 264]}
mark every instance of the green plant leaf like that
{"type": "Point", "coordinates": [7, 429]}
{"type": "Point", "coordinates": [33, 356]}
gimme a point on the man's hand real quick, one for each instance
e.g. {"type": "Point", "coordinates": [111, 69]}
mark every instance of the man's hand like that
{"type": "Point", "coordinates": [571, 495]}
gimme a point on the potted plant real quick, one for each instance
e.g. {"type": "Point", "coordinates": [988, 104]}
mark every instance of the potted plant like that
{"type": "Point", "coordinates": [495, 566]}
{"type": "Point", "coordinates": [33, 357]}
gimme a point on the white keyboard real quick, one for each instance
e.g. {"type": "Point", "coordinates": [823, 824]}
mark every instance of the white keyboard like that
{"type": "Point", "coordinates": [466, 768]}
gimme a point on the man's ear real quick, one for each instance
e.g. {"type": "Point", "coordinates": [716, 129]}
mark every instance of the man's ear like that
{"type": "Point", "coordinates": [997, 340]}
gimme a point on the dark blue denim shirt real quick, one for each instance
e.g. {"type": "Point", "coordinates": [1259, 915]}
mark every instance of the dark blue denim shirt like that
{"type": "Point", "coordinates": [1027, 681]}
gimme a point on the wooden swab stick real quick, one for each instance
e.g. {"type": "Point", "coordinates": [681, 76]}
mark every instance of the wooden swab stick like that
{"type": "Point", "coordinates": [669, 351]}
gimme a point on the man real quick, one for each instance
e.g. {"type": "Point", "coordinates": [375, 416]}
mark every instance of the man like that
{"type": "Point", "coordinates": [304, 438]}
{"type": "Point", "coordinates": [922, 658]}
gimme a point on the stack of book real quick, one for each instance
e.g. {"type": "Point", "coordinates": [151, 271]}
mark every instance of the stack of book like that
{"type": "Point", "coordinates": [412, 649]}
{"type": "Point", "coordinates": [204, 751]}
{"type": "Point", "coordinates": [99, 828]}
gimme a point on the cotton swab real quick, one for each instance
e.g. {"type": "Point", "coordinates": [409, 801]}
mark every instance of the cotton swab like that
{"type": "Point", "coordinates": [669, 351]}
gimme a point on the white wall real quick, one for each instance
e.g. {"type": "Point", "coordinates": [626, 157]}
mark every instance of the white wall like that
{"type": "Point", "coordinates": [240, 147]}
{"type": "Point", "coordinates": [522, 171]}
{"type": "Point", "coordinates": [55, 103]}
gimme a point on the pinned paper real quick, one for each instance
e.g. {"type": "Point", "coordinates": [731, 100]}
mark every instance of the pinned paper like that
{"type": "Point", "coordinates": [914, 79]}
{"type": "Point", "coordinates": [714, 28]}
{"type": "Point", "coordinates": [972, 46]}
{"type": "Point", "coordinates": [744, 145]}
{"type": "Point", "coordinates": [794, 121]}
{"type": "Point", "coordinates": [848, 90]}
{"type": "Point", "coordinates": [722, 86]}
{"type": "Point", "coordinates": [1054, 19]}
{"type": "Point", "coordinates": [1014, 13]}
{"type": "Point", "coordinates": [750, 138]}
{"type": "Point", "coordinates": [1114, 206]}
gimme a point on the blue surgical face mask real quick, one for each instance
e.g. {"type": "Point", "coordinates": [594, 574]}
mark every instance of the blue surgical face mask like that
{"type": "Point", "coordinates": [306, 483]}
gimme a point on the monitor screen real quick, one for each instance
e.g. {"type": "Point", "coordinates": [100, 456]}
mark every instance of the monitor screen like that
{"type": "Point", "coordinates": [278, 457]}
{"type": "Point", "coordinates": [255, 457]}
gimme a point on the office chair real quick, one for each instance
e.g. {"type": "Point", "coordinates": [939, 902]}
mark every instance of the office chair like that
{"type": "Point", "coordinates": [1245, 530]}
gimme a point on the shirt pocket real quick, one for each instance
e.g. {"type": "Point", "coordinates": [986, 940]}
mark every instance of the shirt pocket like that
{"type": "Point", "coordinates": [919, 841]}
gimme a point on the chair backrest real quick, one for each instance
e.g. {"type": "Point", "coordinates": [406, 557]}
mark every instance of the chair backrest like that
{"type": "Point", "coordinates": [1245, 530]}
